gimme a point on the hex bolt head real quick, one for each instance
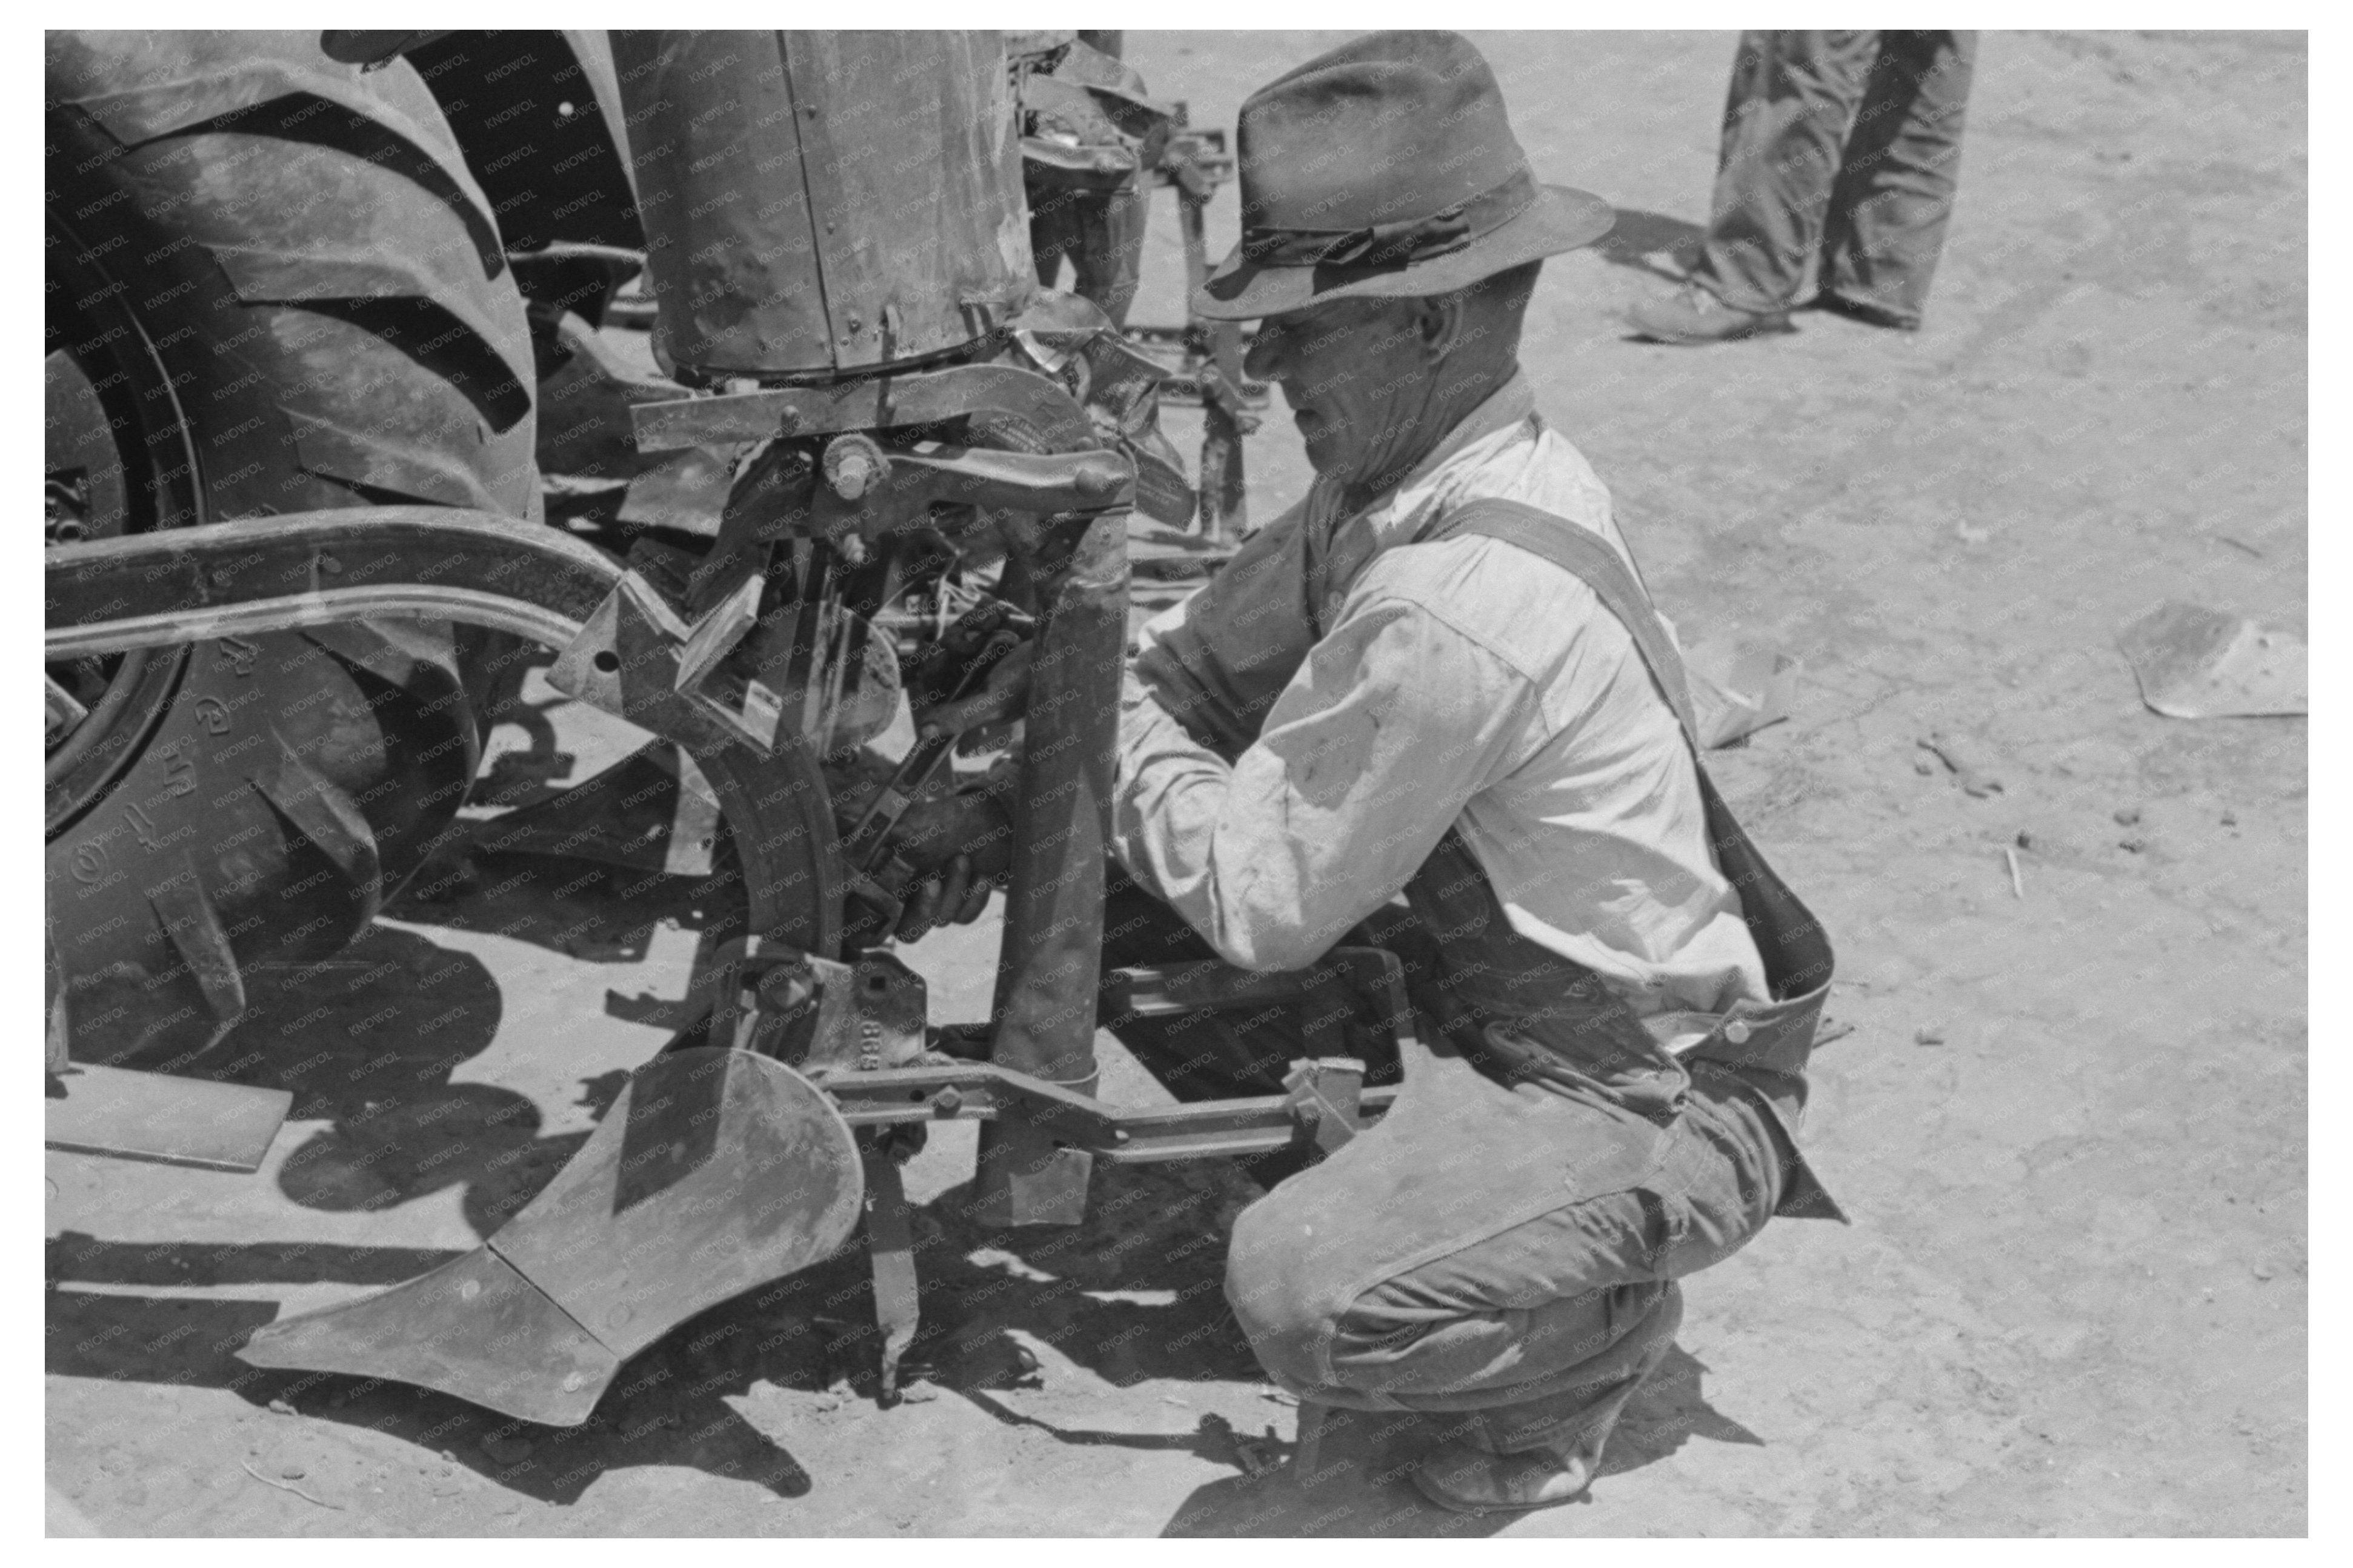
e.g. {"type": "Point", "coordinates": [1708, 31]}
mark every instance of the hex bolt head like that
{"type": "Point", "coordinates": [854, 465]}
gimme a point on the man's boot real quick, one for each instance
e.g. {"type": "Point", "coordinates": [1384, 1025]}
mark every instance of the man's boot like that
{"type": "Point", "coordinates": [1488, 1467]}
{"type": "Point", "coordinates": [1696, 315]}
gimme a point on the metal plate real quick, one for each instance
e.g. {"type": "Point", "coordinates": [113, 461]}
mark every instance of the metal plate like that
{"type": "Point", "coordinates": [716, 1170]}
{"type": "Point", "coordinates": [473, 1328]}
{"type": "Point", "coordinates": [95, 1109]}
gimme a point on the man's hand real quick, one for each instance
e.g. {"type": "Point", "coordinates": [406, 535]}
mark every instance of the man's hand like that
{"type": "Point", "coordinates": [960, 845]}
{"type": "Point", "coordinates": [1003, 695]}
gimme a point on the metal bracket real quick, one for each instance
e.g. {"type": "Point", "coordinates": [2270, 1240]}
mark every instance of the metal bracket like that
{"type": "Point", "coordinates": [768, 998]}
{"type": "Point", "coordinates": [635, 658]}
{"type": "Point", "coordinates": [1327, 1095]}
{"type": "Point", "coordinates": [890, 1257]}
{"type": "Point", "coordinates": [1005, 399]}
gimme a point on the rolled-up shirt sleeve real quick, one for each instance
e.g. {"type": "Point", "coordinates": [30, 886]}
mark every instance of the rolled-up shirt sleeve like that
{"type": "Point", "coordinates": [1391, 724]}
{"type": "Point", "coordinates": [1218, 662]}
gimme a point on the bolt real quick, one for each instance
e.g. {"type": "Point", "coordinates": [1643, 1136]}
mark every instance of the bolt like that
{"type": "Point", "coordinates": [948, 1102]}
{"type": "Point", "coordinates": [785, 989]}
{"type": "Point", "coordinates": [853, 467]}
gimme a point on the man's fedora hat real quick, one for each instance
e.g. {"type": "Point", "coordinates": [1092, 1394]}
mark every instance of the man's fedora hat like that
{"type": "Point", "coordinates": [1386, 168]}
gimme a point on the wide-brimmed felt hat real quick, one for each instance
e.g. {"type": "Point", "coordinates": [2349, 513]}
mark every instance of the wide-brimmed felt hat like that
{"type": "Point", "coordinates": [1386, 168]}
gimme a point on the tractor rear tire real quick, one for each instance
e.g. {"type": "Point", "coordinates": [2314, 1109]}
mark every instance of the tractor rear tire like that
{"type": "Point", "coordinates": [275, 278]}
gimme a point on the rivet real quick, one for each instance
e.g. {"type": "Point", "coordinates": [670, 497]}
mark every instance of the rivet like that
{"type": "Point", "coordinates": [617, 1316]}
{"type": "Point", "coordinates": [1736, 1031]}
{"type": "Point", "coordinates": [469, 1290]}
{"type": "Point", "coordinates": [574, 1382]}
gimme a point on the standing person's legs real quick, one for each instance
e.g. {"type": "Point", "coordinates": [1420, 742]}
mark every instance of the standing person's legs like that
{"type": "Point", "coordinates": [1109, 261]}
{"type": "Point", "coordinates": [1103, 234]}
{"type": "Point", "coordinates": [1895, 186]}
{"type": "Point", "coordinates": [1792, 99]}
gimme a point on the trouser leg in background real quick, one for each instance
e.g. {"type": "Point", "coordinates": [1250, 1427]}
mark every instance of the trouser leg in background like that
{"type": "Point", "coordinates": [1101, 232]}
{"type": "Point", "coordinates": [1895, 193]}
{"type": "Point", "coordinates": [1793, 97]}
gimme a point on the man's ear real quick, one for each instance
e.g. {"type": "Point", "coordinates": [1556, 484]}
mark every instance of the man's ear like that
{"type": "Point", "coordinates": [1438, 323]}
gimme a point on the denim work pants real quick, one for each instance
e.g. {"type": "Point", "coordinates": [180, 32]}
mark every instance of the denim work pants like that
{"type": "Point", "coordinates": [1841, 150]}
{"type": "Point", "coordinates": [1543, 1324]}
{"type": "Point", "coordinates": [1561, 1222]}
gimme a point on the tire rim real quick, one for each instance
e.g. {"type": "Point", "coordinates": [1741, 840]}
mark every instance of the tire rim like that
{"type": "Point", "coordinates": [118, 458]}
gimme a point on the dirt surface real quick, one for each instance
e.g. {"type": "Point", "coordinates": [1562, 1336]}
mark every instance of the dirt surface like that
{"type": "Point", "coordinates": [2070, 1126]}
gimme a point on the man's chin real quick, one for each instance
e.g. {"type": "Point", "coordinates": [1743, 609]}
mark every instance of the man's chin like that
{"type": "Point", "coordinates": [1326, 456]}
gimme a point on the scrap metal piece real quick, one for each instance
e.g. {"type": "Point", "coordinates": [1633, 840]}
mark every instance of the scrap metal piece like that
{"type": "Point", "coordinates": [714, 1172]}
{"type": "Point", "coordinates": [1739, 688]}
{"type": "Point", "coordinates": [95, 1109]}
{"type": "Point", "coordinates": [2196, 663]}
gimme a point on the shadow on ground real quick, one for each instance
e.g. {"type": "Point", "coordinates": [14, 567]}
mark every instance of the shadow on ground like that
{"type": "Point", "coordinates": [1134, 1294]}
{"type": "Point", "coordinates": [1652, 242]}
{"type": "Point", "coordinates": [1361, 1485]}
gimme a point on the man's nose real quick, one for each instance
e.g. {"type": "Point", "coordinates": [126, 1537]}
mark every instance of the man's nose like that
{"type": "Point", "coordinates": [1266, 356]}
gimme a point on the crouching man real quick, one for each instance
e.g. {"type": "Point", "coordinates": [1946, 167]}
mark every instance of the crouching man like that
{"type": "Point", "coordinates": [1438, 675]}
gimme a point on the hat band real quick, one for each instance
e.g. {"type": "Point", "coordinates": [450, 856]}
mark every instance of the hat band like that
{"type": "Point", "coordinates": [1394, 244]}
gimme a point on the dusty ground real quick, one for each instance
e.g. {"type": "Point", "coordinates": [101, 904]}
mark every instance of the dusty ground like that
{"type": "Point", "coordinates": [2070, 1128]}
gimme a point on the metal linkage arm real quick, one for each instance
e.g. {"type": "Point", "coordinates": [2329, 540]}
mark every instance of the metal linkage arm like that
{"type": "Point", "coordinates": [1120, 1135]}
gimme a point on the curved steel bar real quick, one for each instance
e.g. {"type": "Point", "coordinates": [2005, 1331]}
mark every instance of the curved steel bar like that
{"type": "Point", "coordinates": [178, 571]}
{"type": "Point", "coordinates": [285, 572]}
{"type": "Point", "coordinates": [324, 608]}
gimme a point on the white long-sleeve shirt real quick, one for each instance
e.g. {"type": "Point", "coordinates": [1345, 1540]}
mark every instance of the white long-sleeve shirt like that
{"type": "Point", "coordinates": [1275, 786]}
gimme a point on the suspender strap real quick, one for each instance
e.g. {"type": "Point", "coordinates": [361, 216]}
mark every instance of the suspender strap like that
{"type": "Point", "coordinates": [1589, 557]}
{"type": "Point", "coordinates": [1796, 951]}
